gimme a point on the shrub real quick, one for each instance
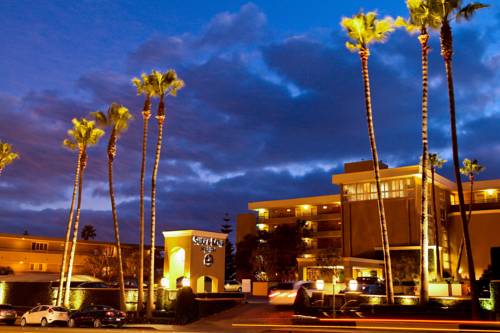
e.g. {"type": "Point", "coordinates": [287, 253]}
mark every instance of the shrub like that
{"type": "Point", "coordinates": [186, 308]}
{"type": "Point", "coordinates": [302, 303]}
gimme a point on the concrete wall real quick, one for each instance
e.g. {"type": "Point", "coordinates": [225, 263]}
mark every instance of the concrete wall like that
{"type": "Point", "coordinates": [245, 224]}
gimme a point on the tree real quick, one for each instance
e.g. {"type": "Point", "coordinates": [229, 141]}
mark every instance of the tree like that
{"type": "Point", "coordinates": [246, 251]}
{"type": "Point", "coordinates": [470, 170]}
{"type": "Point", "coordinates": [116, 119]}
{"type": "Point", "coordinates": [363, 30]}
{"type": "Point", "coordinates": [88, 232]}
{"type": "Point", "coordinates": [436, 162]}
{"type": "Point", "coordinates": [421, 19]}
{"type": "Point", "coordinates": [164, 84]}
{"type": "Point", "coordinates": [449, 10]}
{"type": "Point", "coordinates": [229, 262]}
{"type": "Point", "coordinates": [84, 134]}
{"type": "Point", "coordinates": [7, 156]}
{"type": "Point", "coordinates": [144, 87]}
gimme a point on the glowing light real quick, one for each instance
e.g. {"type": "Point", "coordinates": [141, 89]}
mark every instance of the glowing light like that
{"type": "Point", "coordinates": [262, 226]}
{"type": "Point", "coordinates": [186, 282]}
{"type": "Point", "coordinates": [306, 207]}
{"type": "Point", "coordinates": [490, 192]}
{"type": "Point", "coordinates": [320, 284]}
{"type": "Point", "coordinates": [165, 282]}
{"type": "Point", "coordinates": [353, 285]}
{"type": "Point", "coordinates": [288, 210]}
{"type": "Point", "coordinates": [325, 207]}
{"type": "Point", "coordinates": [3, 288]}
{"type": "Point", "coordinates": [21, 262]}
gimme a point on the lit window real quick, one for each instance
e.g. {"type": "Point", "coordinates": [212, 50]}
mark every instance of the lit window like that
{"type": "Point", "coordinates": [35, 246]}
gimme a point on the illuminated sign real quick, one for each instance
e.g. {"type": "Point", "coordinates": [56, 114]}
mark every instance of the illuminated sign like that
{"type": "Point", "coordinates": [208, 246]}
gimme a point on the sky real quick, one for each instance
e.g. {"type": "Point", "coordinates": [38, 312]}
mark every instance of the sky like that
{"type": "Point", "coordinates": [273, 104]}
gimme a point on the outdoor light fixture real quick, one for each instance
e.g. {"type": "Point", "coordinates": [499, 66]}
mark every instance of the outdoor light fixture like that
{"type": "Point", "coordinates": [289, 210]}
{"type": "Point", "coordinates": [325, 207]}
{"type": "Point", "coordinates": [490, 191]}
{"type": "Point", "coordinates": [186, 282]}
{"type": "Point", "coordinates": [165, 282]}
{"type": "Point", "coordinates": [320, 284]}
{"type": "Point", "coordinates": [353, 285]}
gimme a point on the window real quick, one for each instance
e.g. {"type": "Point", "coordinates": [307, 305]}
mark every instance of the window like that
{"type": "Point", "coordinates": [397, 188]}
{"type": "Point", "coordinates": [36, 246]}
{"type": "Point", "coordinates": [38, 267]}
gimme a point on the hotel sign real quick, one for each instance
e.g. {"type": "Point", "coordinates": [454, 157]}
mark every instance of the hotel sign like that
{"type": "Point", "coordinates": [208, 246]}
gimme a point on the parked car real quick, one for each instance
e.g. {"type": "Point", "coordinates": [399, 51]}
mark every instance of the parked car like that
{"type": "Point", "coordinates": [285, 293]}
{"type": "Point", "coordinates": [45, 315]}
{"type": "Point", "coordinates": [368, 285]}
{"type": "Point", "coordinates": [232, 285]}
{"type": "Point", "coordinates": [8, 314]}
{"type": "Point", "coordinates": [97, 316]}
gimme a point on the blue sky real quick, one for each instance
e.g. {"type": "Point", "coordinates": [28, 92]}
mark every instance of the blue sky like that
{"type": "Point", "coordinates": [272, 106]}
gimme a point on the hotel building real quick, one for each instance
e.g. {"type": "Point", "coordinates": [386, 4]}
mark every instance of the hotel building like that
{"type": "Point", "coordinates": [345, 226]}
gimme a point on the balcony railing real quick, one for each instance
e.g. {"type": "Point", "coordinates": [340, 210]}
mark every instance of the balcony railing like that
{"type": "Point", "coordinates": [476, 206]}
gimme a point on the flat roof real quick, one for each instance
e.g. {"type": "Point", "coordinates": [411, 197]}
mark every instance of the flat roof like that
{"type": "Point", "coordinates": [58, 239]}
{"type": "Point", "coordinates": [194, 232]}
{"type": "Point", "coordinates": [316, 200]}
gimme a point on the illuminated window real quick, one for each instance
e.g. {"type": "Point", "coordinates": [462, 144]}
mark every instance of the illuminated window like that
{"type": "Point", "coordinates": [35, 246]}
{"type": "Point", "coordinates": [38, 267]}
{"type": "Point", "coordinates": [398, 188]}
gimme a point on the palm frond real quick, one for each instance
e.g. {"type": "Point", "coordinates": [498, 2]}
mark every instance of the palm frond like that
{"type": "Point", "coordinates": [468, 11]}
{"type": "Point", "coordinates": [365, 29]}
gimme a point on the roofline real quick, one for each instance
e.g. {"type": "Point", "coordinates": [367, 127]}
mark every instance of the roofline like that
{"type": "Point", "coordinates": [57, 239]}
{"type": "Point", "coordinates": [314, 200]}
{"type": "Point", "coordinates": [194, 232]}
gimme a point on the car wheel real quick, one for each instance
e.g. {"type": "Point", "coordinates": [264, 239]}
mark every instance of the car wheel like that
{"type": "Point", "coordinates": [97, 323]}
{"type": "Point", "coordinates": [71, 323]}
{"type": "Point", "coordinates": [239, 290]}
{"type": "Point", "coordinates": [23, 322]}
{"type": "Point", "coordinates": [44, 322]}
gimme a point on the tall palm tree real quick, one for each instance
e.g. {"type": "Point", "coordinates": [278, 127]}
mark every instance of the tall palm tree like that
{"type": "Point", "coordinates": [83, 135]}
{"type": "Point", "coordinates": [436, 162]}
{"type": "Point", "coordinates": [116, 119]}
{"type": "Point", "coordinates": [144, 87]}
{"type": "Point", "coordinates": [470, 169]}
{"type": "Point", "coordinates": [88, 232]}
{"type": "Point", "coordinates": [164, 84]}
{"type": "Point", "coordinates": [421, 19]}
{"type": "Point", "coordinates": [363, 30]}
{"type": "Point", "coordinates": [450, 10]}
{"type": "Point", "coordinates": [7, 156]}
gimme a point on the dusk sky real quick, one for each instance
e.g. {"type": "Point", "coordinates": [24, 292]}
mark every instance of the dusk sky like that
{"type": "Point", "coordinates": [272, 107]}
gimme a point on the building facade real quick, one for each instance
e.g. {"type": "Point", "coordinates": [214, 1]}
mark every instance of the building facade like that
{"type": "Point", "coordinates": [37, 254]}
{"type": "Point", "coordinates": [345, 232]}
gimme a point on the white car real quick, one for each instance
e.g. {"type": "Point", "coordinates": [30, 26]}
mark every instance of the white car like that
{"type": "Point", "coordinates": [285, 293]}
{"type": "Point", "coordinates": [45, 315]}
{"type": "Point", "coordinates": [232, 285]}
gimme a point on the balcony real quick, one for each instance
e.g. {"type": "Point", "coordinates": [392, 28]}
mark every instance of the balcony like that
{"type": "Point", "coordinates": [476, 206]}
{"type": "Point", "coordinates": [326, 233]}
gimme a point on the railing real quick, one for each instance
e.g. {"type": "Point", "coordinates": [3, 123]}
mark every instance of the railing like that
{"type": "Point", "coordinates": [476, 206]}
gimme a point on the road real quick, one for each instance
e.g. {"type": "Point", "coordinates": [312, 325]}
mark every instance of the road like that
{"type": "Point", "coordinates": [260, 317]}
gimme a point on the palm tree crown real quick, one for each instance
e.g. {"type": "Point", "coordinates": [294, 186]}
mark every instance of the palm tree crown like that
{"type": "Point", "coordinates": [471, 168]}
{"type": "Point", "coordinates": [453, 9]}
{"type": "Point", "coordinates": [167, 83]}
{"type": "Point", "coordinates": [365, 29]}
{"type": "Point", "coordinates": [117, 118]}
{"type": "Point", "coordinates": [435, 161]}
{"type": "Point", "coordinates": [144, 85]}
{"type": "Point", "coordinates": [7, 156]}
{"type": "Point", "coordinates": [84, 133]}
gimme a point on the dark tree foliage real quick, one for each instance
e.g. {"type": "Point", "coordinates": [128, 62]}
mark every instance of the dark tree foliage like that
{"type": "Point", "coordinates": [244, 259]}
{"type": "Point", "coordinates": [230, 269]}
{"type": "Point", "coordinates": [88, 232]}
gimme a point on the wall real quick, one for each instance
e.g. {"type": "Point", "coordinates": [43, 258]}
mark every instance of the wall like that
{"type": "Point", "coordinates": [245, 224]}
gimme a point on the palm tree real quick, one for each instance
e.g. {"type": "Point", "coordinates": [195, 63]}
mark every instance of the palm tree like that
{"type": "Point", "coordinates": [144, 87]}
{"type": "Point", "coordinates": [7, 156]}
{"type": "Point", "coordinates": [449, 10]}
{"type": "Point", "coordinates": [116, 119]}
{"type": "Point", "coordinates": [164, 84]}
{"type": "Point", "coordinates": [83, 135]}
{"type": "Point", "coordinates": [88, 232]}
{"type": "Point", "coordinates": [470, 169]}
{"type": "Point", "coordinates": [421, 19]}
{"type": "Point", "coordinates": [363, 30]}
{"type": "Point", "coordinates": [436, 162]}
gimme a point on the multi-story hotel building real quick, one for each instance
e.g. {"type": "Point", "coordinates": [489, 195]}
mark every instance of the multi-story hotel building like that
{"type": "Point", "coordinates": [347, 224]}
{"type": "Point", "coordinates": [36, 254]}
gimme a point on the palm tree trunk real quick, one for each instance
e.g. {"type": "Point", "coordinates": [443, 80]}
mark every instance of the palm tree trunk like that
{"type": "Point", "coordinates": [68, 233]}
{"type": "Point", "coordinates": [424, 220]}
{"type": "Point", "coordinates": [146, 113]}
{"type": "Point", "coordinates": [461, 249]}
{"type": "Point", "coordinates": [364, 53]}
{"type": "Point", "coordinates": [436, 228]}
{"type": "Point", "coordinates": [447, 52]}
{"type": "Point", "coordinates": [151, 292]}
{"type": "Point", "coordinates": [75, 228]}
{"type": "Point", "coordinates": [111, 157]}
